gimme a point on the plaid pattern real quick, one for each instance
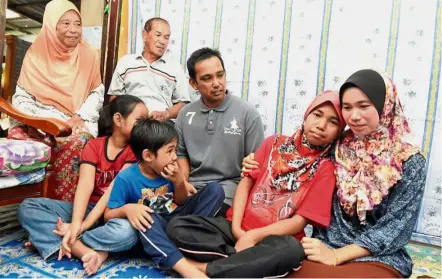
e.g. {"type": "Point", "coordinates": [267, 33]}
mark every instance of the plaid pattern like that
{"type": "Point", "coordinates": [30, 177]}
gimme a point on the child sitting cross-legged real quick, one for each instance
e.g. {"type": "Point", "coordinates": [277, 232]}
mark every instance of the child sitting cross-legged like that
{"type": "Point", "coordinates": [154, 190]}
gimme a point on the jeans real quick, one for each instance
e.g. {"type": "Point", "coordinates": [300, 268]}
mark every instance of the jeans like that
{"type": "Point", "coordinates": [39, 216]}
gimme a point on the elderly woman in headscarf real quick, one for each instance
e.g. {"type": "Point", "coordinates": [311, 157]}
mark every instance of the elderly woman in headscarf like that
{"type": "Point", "coordinates": [380, 180]}
{"type": "Point", "coordinates": [60, 78]}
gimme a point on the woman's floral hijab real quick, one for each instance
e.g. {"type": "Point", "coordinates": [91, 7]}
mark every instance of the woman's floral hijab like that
{"type": "Point", "coordinates": [367, 167]}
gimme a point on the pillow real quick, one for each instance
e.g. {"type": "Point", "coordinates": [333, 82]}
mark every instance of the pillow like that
{"type": "Point", "coordinates": [18, 156]}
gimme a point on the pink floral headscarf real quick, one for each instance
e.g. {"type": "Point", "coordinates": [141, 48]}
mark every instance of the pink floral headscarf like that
{"type": "Point", "coordinates": [366, 168]}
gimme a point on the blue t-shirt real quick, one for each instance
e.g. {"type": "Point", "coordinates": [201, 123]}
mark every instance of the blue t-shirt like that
{"type": "Point", "coordinates": [131, 186]}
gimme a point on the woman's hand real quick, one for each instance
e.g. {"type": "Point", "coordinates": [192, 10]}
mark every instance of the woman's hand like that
{"type": "Point", "coordinates": [77, 124]}
{"type": "Point", "coordinates": [249, 164]}
{"type": "Point", "coordinates": [317, 251]}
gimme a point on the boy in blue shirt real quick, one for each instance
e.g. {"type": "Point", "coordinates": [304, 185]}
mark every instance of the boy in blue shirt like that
{"type": "Point", "coordinates": [154, 190]}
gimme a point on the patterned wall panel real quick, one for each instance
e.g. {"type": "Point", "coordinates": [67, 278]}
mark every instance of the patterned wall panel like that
{"type": "Point", "coordinates": [414, 61]}
{"type": "Point", "coordinates": [233, 40]}
{"type": "Point", "coordinates": [174, 12]}
{"type": "Point", "coordinates": [304, 58]}
{"type": "Point", "coordinates": [280, 53]}
{"type": "Point", "coordinates": [202, 25]}
{"type": "Point", "coordinates": [265, 72]}
{"type": "Point", "coordinates": [353, 43]}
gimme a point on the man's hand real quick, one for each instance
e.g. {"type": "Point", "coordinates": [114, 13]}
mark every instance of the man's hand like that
{"type": "Point", "coordinates": [249, 164]}
{"type": "Point", "coordinates": [77, 124]}
{"type": "Point", "coordinates": [173, 173]}
{"type": "Point", "coordinates": [138, 215]}
{"type": "Point", "coordinates": [160, 115]}
{"type": "Point", "coordinates": [246, 241]}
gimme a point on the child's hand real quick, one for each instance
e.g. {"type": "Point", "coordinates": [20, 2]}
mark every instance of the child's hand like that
{"type": "Point", "coordinates": [238, 232]}
{"type": "Point", "coordinates": [246, 241]}
{"type": "Point", "coordinates": [64, 230]}
{"type": "Point", "coordinates": [138, 215]}
{"type": "Point", "coordinates": [173, 173]}
{"type": "Point", "coordinates": [191, 190]}
{"type": "Point", "coordinates": [69, 232]}
{"type": "Point", "coordinates": [65, 249]}
{"type": "Point", "coordinates": [76, 230]}
{"type": "Point", "coordinates": [61, 227]}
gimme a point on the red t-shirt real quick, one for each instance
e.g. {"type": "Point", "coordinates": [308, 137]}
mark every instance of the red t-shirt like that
{"type": "Point", "coordinates": [267, 205]}
{"type": "Point", "coordinates": [95, 153]}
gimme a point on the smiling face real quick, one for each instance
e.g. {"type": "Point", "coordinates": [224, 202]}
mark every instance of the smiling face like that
{"type": "Point", "coordinates": [68, 29]}
{"type": "Point", "coordinates": [359, 112]}
{"type": "Point", "coordinates": [321, 127]}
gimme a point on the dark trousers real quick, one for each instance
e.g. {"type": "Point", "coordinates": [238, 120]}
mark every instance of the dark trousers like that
{"type": "Point", "coordinates": [211, 240]}
{"type": "Point", "coordinates": [155, 242]}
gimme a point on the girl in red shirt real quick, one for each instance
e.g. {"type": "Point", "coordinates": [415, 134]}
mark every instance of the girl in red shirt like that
{"type": "Point", "coordinates": [292, 187]}
{"type": "Point", "coordinates": [101, 160]}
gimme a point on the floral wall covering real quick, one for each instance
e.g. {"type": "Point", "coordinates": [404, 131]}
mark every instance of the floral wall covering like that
{"type": "Point", "coordinates": [280, 53]}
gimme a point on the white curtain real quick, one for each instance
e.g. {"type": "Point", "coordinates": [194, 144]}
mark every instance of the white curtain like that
{"type": "Point", "coordinates": [280, 53]}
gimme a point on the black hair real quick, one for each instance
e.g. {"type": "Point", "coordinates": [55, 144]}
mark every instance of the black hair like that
{"type": "Point", "coordinates": [152, 135]}
{"type": "Point", "coordinates": [124, 105]}
{"type": "Point", "coordinates": [149, 23]}
{"type": "Point", "coordinates": [200, 55]}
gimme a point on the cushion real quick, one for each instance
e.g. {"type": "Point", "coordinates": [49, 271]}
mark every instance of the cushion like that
{"type": "Point", "coordinates": [20, 156]}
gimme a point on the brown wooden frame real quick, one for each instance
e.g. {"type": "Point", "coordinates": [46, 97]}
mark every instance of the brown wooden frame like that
{"type": "Point", "coordinates": [53, 128]}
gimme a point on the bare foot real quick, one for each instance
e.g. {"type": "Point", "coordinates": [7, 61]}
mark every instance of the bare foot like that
{"type": "Point", "coordinates": [28, 244]}
{"type": "Point", "coordinates": [92, 261]}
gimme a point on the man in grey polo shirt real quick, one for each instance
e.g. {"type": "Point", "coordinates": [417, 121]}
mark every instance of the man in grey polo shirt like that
{"type": "Point", "coordinates": [217, 131]}
{"type": "Point", "coordinates": [154, 75]}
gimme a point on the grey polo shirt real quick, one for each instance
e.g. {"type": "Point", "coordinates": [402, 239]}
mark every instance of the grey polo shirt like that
{"type": "Point", "coordinates": [160, 85]}
{"type": "Point", "coordinates": [216, 140]}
